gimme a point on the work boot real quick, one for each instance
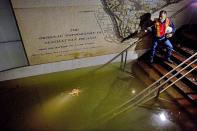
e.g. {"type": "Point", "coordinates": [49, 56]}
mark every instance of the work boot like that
{"type": "Point", "coordinates": [151, 61]}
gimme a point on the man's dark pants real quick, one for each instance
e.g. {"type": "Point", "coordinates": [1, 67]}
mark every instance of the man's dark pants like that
{"type": "Point", "coordinates": [165, 42]}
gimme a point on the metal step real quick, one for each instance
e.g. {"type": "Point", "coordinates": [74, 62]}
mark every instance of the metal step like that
{"type": "Point", "coordinates": [186, 51]}
{"type": "Point", "coordinates": [155, 71]}
{"type": "Point", "coordinates": [180, 86]}
{"type": "Point", "coordinates": [178, 58]}
{"type": "Point", "coordinates": [188, 79]}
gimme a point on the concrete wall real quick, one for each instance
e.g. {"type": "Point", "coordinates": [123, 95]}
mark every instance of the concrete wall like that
{"type": "Point", "coordinates": [11, 49]}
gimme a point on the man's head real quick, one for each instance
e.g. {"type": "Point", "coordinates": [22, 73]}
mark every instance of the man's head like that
{"type": "Point", "coordinates": [162, 15]}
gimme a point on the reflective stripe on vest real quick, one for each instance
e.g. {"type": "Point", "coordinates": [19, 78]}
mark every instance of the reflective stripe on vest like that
{"type": "Point", "coordinates": [160, 30]}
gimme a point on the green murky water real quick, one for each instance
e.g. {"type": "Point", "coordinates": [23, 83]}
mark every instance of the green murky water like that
{"type": "Point", "coordinates": [45, 102]}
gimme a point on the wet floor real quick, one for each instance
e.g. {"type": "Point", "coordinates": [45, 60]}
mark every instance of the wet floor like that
{"type": "Point", "coordinates": [78, 100]}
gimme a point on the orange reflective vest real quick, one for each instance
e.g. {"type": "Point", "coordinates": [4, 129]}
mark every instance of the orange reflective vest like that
{"type": "Point", "coordinates": [160, 28]}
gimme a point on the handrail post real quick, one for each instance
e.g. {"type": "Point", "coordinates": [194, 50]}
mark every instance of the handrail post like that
{"type": "Point", "coordinates": [125, 60]}
{"type": "Point", "coordinates": [122, 59]}
{"type": "Point", "coordinates": [158, 92]}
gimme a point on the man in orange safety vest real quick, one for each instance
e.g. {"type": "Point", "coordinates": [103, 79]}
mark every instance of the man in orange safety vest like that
{"type": "Point", "coordinates": [163, 29]}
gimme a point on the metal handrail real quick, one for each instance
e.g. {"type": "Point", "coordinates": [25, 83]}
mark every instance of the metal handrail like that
{"type": "Point", "coordinates": [121, 53]}
{"type": "Point", "coordinates": [155, 88]}
{"type": "Point", "coordinates": [155, 83]}
{"type": "Point", "coordinates": [171, 71]}
{"type": "Point", "coordinates": [144, 101]}
{"type": "Point", "coordinates": [136, 102]}
{"type": "Point", "coordinates": [150, 98]}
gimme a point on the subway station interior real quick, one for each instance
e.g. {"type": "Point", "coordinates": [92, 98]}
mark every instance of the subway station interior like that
{"type": "Point", "coordinates": [106, 65]}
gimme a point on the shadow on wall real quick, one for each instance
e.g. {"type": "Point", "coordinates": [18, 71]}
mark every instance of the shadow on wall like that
{"type": "Point", "coordinates": [145, 22]}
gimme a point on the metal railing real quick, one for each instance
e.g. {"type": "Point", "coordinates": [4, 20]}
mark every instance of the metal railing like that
{"type": "Point", "coordinates": [154, 89]}
{"type": "Point", "coordinates": [123, 55]}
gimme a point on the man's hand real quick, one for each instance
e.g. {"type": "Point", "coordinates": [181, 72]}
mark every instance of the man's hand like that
{"type": "Point", "coordinates": [169, 35]}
